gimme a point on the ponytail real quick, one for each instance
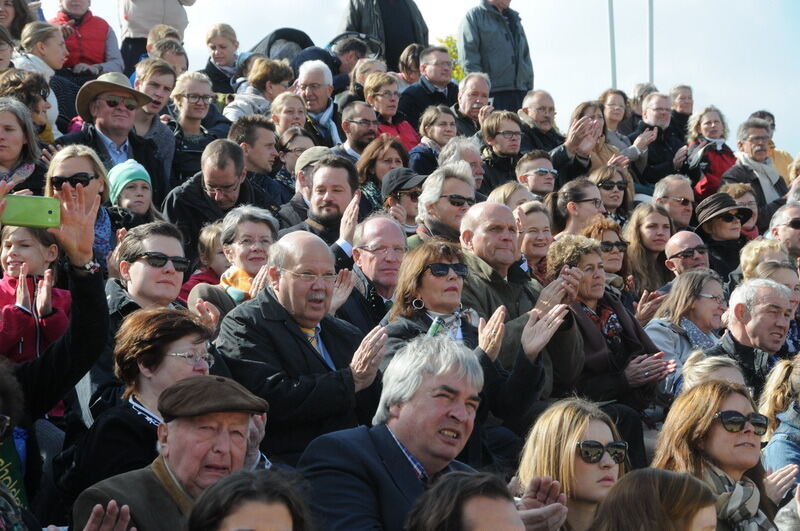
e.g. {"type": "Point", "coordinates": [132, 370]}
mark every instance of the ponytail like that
{"type": "Point", "coordinates": [778, 393]}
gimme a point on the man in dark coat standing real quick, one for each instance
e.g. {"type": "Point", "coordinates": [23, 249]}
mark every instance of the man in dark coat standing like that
{"type": "Point", "coordinates": [434, 86]}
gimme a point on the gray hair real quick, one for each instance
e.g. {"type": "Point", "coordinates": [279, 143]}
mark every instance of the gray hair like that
{"type": "Point", "coordinates": [316, 65]}
{"type": "Point", "coordinates": [751, 123]}
{"type": "Point", "coordinates": [676, 90]}
{"type": "Point", "coordinates": [243, 214]}
{"type": "Point", "coordinates": [432, 188]}
{"type": "Point", "coordinates": [462, 86]}
{"type": "Point", "coordinates": [747, 292]}
{"type": "Point", "coordinates": [358, 235]}
{"type": "Point", "coordinates": [30, 150]}
{"type": "Point", "coordinates": [662, 186]}
{"type": "Point", "coordinates": [781, 216]}
{"type": "Point", "coordinates": [425, 356]}
{"type": "Point", "coordinates": [640, 91]}
{"type": "Point", "coordinates": [452, 151]}
{"type": "Point", "coordinates": [652, 96]}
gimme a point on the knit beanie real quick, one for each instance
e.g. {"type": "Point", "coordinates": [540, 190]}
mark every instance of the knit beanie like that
{"type": "Point", "coordinates": [126, 172]}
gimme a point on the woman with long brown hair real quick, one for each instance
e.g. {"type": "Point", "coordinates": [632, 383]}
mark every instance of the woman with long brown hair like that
{"type": "Point", "coordinates": [647, 233]}
{"type": "Point", "coordinates": [382, 155]}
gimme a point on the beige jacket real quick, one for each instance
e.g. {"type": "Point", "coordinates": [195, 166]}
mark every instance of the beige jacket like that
{"type": "Point", "coordinates": [136, 17]}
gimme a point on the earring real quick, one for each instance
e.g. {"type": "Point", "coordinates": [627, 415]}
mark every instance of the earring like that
{"type": "Point", "coordinates": [418, 304]}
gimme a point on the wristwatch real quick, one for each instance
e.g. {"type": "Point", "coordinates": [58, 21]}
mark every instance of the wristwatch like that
{"type": "Point", "coordinates": [91, 267]}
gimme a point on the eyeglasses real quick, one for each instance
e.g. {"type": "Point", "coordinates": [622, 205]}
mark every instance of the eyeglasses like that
{"type": "Point", "coordinates": [388, 94]}
{"type": "Point", "coordinates": [757, 139]}
{"type": "Point", "coordinates": [249, 242]}
{"type": "Point", "coordinates": [543, 172]}
{"type": "Point", "coordinates": [660, 109]}
{"type": "Point", "coordinates": [689, 252]}
{"type": "Point", "coordinates": [197, 98]}
{"type": "Point", "coordinates": [610, 185]}
{"type": "Point", "coordinates": [297, 151]}
{"type": "Point", "coordinates": [224, 189]}
{"type": "Point", "coordinates": [734, 422]}
{"type": "Point", "coordinates": [74, 180]}
{"type": "Point", "coordinates": [719, 299]}
{"type": "Point", "coordinates": [592, 451]}
{"type": "Point", "coordinates": [365, 123]}
{"type": "Point", "coordinates": [155, 259]}
{"type": "Point", "coordinates": [545, 110]}
{"type": "Point", "coordinates": [752, 205]}
{"type": "Point", "coordinates": [607, 247]}
{"type": "Point", "coordinates": [383, 252]}
{"type": "Point", "coordinates": [459, 200]}
{"type": "Point", "coordinates": [682, 201]}
{"type": "Point", "coordinates": [598, 203]}
{"type": "Point", "coordinates": [194, 359]}
{"type": "Point", "coordinates": [508, 135]}
{"type": "Point", "coordinates": [729, 217]}
{"type": "Point", "coordinates": [312, 87]}
{"type": "Point", "coordinates": [112, 101]}
{"type": "Point", "coordinates": [412, 194]}
{"type": "Point", "coordinates": [328, 278]}
{"type": "Point", "coordinates": [441, 269]}
{"type": "Point", "coordinates": [792, 224]}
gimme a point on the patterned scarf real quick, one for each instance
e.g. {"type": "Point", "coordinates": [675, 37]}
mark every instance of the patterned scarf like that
{"type": "Point", "coordinates": [103, 236]}
{"type": "Point", "coordinates": [236, 282]}
{"type": "Point", "coordinates": [18, 174]}
{"type": "Point", "coordinates": [737, 502]}
{"type": "Point", "coordinates": [607, 322]}
{"type": "Point", "coordinates": [372, 192]}
{"type": "Point", "coordinates": [699, 339]}
{"type": "Point", "coordinates": [284, 177]}
{"type": "Point", "coordinates": [324, 122]}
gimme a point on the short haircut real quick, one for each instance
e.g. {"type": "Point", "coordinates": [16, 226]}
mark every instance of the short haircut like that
{"type": "Point", "coordinates": [491, 125]}
{"type": "Point", "coordinates": [36, 32]}
{"type": "Point", "coordinates": [220, 152]}
{"type": "Point", "coordinates": [456, 146]}
{"type": "Point", "coordinates": [736, 190]}
{"type": "Point", "coordinates": [375, 81]}
{"type": "Point", "coordinates": [152, 66]}
{"type": "Point", "coordinates": [208, 241]}
{"type": "Point", "coordinates": [280, 251]}
{"type": "Point", "coordinates": [568, 251]}
{"type": "Point", "coordinates": [477, 213]}
{"type": "Point", "coordinates": [162, 31]}
{"type": "Point", "coordinates": [430, 115]}
{"type": "Point", "coordinates": [351, 109]}
{"type": "Point", "coordinates": [351, 44]}
{"type": "Point", "coordinates": [432, 187]}
{"type": "Point", "coordinates": [653, 96]}
{"type": "Point", "coordinates": [335, 161]}
{"type": "Point", "coordinates": [747, 293]}
{"type": "Point", "coordinates": [144, 337]}
{"type": "Point", "coordinates": [245, 129]}
{"type": "Point", "coordinates": [751, 123]}
{"type": "Point", "coordinates": [290, 135]}
{"type": "Point", "coordinates": [530, 156]}
{"type": "Point", "coordinates": [640, 91]}
{"type": "Point", "coordinates": [132, 245]}
{"type": "Point", "coordinates": [165, 46]}
{"type": "Point", "coordinates": [243, 214]}
{"type": "Point", "coordinates": [764, 115]}
{"type": "Point", "coordinates": [753, 253]}
{"type": "Point", "coordinates": [272, 70]}
{"type": "Point", "coordinates": [425, 356]}
{"type": "Point", "coordinates": [662, 186]}
{"type": "Point", "coordinates": [315, 65]}
{"type": "Point", "coordinates": [526, 101]}
{"type": "Point", "coordinates": [462, 85]}
{"type": "Point", "coordinates": [409, 58]}
{"type": "Point", "coordinates": [426, 54]}
{"type": "Point", "coordinates": [221, 30]}
{"type": "Point", "coordinates": [781, 216]}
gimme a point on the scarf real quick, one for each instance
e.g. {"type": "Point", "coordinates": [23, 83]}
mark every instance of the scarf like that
{"type": "Point", "coordinates": [433, 228]}
{"type": "Point", "coordinates": [103, 237]}
{"type": "Point", "coordinates": [431, 144]}
{"type": "Point", "coordinates": [324, 122]}
{"type": "Point", "coordinates": [236, 282]}
{"type": "Point", "coordinates": [17, 174]}
{"type": "Point", "coordinates": [698, 338]}
{"type": "Point", "coordinates": [767, 175]}
{"type": "Point", "coordinates": [372, 191]}
{"type": "Point", "coordinates": [607, 322]}
{"type": "Point", "coordinates": [737, 502]}
{"type": "Point", "coordinates": [718, 142]}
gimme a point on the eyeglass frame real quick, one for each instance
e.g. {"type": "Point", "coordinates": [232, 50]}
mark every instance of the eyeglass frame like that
{"type": "Point", "coordinates": [329, 278]}
{"type": "Point", "coordinates": [383, 252]}
{"type": "Point", "coordinates": [701, 249]}
{"type": "Point", "coordinates": [205, 98]}
{"type": "Point", "coordinates": [189, 356]}
{"type": "Point", "coordinates": [719, 299]}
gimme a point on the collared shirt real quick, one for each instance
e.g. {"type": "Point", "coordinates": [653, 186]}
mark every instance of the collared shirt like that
{"type": "Point", "coordinates": [431, 87]}
{"type": "Point", "coordinates": [419, 469]}
{"type": "Point", "coordinates": [350, 151]}
{"type": "Point", "coordinates": [318, 345]}
{"type": "Point", "coordinates": [118, 154]}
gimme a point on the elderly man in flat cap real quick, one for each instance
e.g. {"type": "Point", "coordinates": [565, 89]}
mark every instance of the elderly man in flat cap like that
{"type": "Point", "coordinates": [203, 438]}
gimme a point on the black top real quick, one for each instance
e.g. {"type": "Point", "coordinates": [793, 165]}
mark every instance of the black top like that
{"type": "Point", "coordinates": [398, 30]}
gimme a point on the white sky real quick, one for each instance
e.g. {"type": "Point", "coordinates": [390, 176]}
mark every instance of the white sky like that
{"type": "Point", "coordinates": [740, 55]}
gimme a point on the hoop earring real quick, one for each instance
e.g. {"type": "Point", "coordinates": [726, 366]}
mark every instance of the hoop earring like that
{"type": "Point", "coordinates": [418, 304]}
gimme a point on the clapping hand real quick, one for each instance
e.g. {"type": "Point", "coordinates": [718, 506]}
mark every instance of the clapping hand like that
{"type": "Point", "coordinates": [367, 358]}
{"type": "Point", "coordinates": [646, 369]}
{"type": "Point", "coordinates": [490, 333]}
{"type": "Point", "coordinates": [539, 329]}
{"type": "Point", "coordinates": [543, 507]}
{"type": "Point", "coordinates": [75, 236]}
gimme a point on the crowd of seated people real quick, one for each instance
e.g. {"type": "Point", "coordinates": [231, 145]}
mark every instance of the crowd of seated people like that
{"type": "Point", "coordinates": [316, 288]}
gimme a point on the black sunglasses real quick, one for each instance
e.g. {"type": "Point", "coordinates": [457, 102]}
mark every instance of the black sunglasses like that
{"type": "Point", "coordinates": [728, 217]}
{"type": "Point", "coordinates": [440, 269]}
{"type": "Point", "coordinates": [607, 247]}
{"type": "Point", "coordinates": [610, 185]}
{"type": "Point", "coordinates": [74, 180]}
{"type": "Point", "coordinates": [592, 451]}
{"type": "Point", "coordinates": [112, 101]}
{"type": "Point", "coordinates": [793, 224]}
{"type": "Point", "coordinates": [688, 253]}
{"type": "Point", "coordinates": [459, 200]}
{"type": "Point", "coordinates": [734, 422]}
{"type": "Point", "coordinates": [155, 259]}
{"type": "Point", "coordinates": [412, 194]}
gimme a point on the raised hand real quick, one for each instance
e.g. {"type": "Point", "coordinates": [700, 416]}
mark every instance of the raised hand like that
{"type": "Point", "coordinates": [646, 369]}
{"type": "Point", "coordinates": [260, 281]}
{"type": "Point", "coordinates": [648, 305]}
{"type": "Point", "coordinates": [208, 313]}
{"type": "Point", "coordinates": [75, 236]}
{"type": "Point", "coordinates": [342, 288]}
{"type": "Point", "coordinates": [539, 329]}
{"type": "Point", "coordinates": [23, 296]}
{"type": "Point", "coordinates": [778, 483]}
{"type": "Point", "coordinates": [543, 507]}
{"type": "Point", "coordinates": [646, 138]}
{"type": "Point", "coordinates": [680, 157]}
{"type": "Point", "coordinates": [347, 227]}
{"type": "Point", "coordinates": [490, 333]}
{"type": "Point", "coordinates": [109, 518]}
{"type": "Point", "coordinates": [44, 295]}
{"type": "Point", "coordinates": [367, 358]}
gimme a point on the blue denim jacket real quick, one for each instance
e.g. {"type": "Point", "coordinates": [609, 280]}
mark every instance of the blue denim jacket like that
{"type": "Point", "coordinates": [784, 446]}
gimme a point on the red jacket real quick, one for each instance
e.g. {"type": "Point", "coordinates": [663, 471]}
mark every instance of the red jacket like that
{"type": "Point", "coordinates": [19, 329]}
{"type": "Point", "coordinates": [718, 163]}
{"type": "Point", "coordinates": [205, 275]}
{"type": "Point", "coordinates": [402, 131]}
{"type": "Point", "coordinates": [88, 43]}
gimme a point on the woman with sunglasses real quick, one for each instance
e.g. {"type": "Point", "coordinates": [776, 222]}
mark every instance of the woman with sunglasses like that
{"type": "Point", "coordinates": [437, 126]}
{"type": "Point", "coordinates": [574, 206]}
{"type": "Point", "coordinates": [713, 432]}
{"type": "Point", "coordinates": [687, 320]}
{"type": "Point", "coordinates": [446, 196]}
{"type": "Point", "coordinates": [709, 157]}
{"type": "Point", "coordinates": [578, 445]}
{"type": "Point", "coordinates": [428, 301]}
{"type": "Point", "coordinates": [193, 97]}
{"type": "Point", "coordinates": [616, 191]}
{"type": "Point", "coordinates": [154, 349]}
{"type": "Point", "coordinates": [745, 196]}
{"type": "Point", "coordinates": [615, 260]}
{"type": "Point", "coordinates": [719, 224]}
{"type": "Point", "coordinates": [647, 233]}
{"type": "Point", "coordinates": [19, 151]}
{"type": "Point", "coordinates": [382, 155]}
{"type": "Point", "coordinates": [381, 92]}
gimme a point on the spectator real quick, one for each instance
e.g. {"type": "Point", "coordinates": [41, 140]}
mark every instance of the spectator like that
{"type": "Point", "coordinates": [172, 52]}
{"type": "Point", "coordinates": [633, 118]}
{"type": "Point", "coordinates": [255, 134]}
{"type": "Point", "coordinates": [511, 194]}
{"type": "Point", "coordinates": [408, 66]}
{"type": "Point", "coordinates": [614, 104]}
{"type": "Point", "coordinates": [156, 79]}
{"type": "Point", "coordinates": [42, 50]}
{"type": "Point", "coordinates": [314, 83]}
{"type": "Point", "coordinates": [753, 167]}
{"type": "Point", "coordinates": [433, 88]}
{"type": "Point", "coordinates": [713, 433]}
{"type": "Point", "coordinates": [674, 194]}
{"type": "Point", "coordinates": [19, 161]}
{"type": "Point", "coordinates": [491, 39]}
{"type": "Point", "coordinates": [660, 499]}
{"type": "Point", "coordinates": [205, 419]}
{"type": "Point", "coordinates": [31, 89]}
{"type": "Point", "coordinates": [381, 156]}
{"type": "Point", "coordinates": [779, 403]}
{"type": "Point", "coordinates": [340, 57]}
{"type": "Point", "coordinates": [744, 196]}
{"type": "Point", "coordinates": [467, 149]}
{"type": "Point", "coordinates": [535, 171]}
{"type": "Point", "coordinates": [381, 93]}
{"type": "Point", "coordinates": [784, 273]}
{"type": "Point", "coordinates": [576, 444]}
{"type": "Point", "coordinates": [358, 77]}
{"type": "Point", "coordinates": [296, 210]}
{"type": "Point", "coordinates": [719, 220]}
{"type": "Point", "coordinates": [266, 80]}
{"type": "Point", "coordinates": [360, 126]}
{"type": "Point", "coordinates": [437, 126]}
{"type": "Point", "coordinates": [682, 107]}
{"type": "Point", "coordinates": [138, 17]}
{"type": "Point", "coordinates": [700, 368]}
{"type": "Point", "coordinates": [685, 251]}
{"type": "Point", "coordinates": [502, 131]}
{"type": "Point", "coordinates": [758, 322]}
{"type": "Point", "coordinates": [616, 191]}
{"type": "Point", "coordinates": [603, 153]}
{"type": "Point", "coordinates": [131, 196]}
{"type": "Point", "coordinates": [396, 25]}
{"type": "Point", "coordinates": [533, 227]}
{"type": "Point", "coordinates": [446, 196]}
{"type": "Point", "coordinates": [248, 499]}
{"type": "Point", "coordinates": [287, 110]}
{"type": "Point", "coordinates": [7, 46]}
{"type": "Point", "coordinates": [780, 158]}
{"type": "Point", "coordinates": [614, 251]}
{"type": "Point", "coordinates": [709, 157]}
{"type": "Point", "coordinates": [223, 58]}
{"type": "Point", "coordinates": [785, 228]}
{"type": "Point", "coordinates": [213, 261]}
{"type": "Point", "coordinates": [193, 97]}
{"type": "Point", "coordinates": [400, 190]}
{"type": "Point", "coordinates": [574, 206]}
{"type": "Point", "coordinates": [647, 234]}
{"type": "Point", "coordinates": [219, 186]}
{"type": "Point", "coordinates": [321, 375]}
{"type": "Point", "coordinates": [291, 145]}
{"type": "Point", "coordinates": [15, 15]}
{"type": "Point", "coordinates": [473, 103]}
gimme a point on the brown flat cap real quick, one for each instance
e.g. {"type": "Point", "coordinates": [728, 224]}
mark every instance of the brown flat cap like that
{"type": "Point", "coordinates": [205, 394]}
{"type": "Point", "coordinates": [717, 204]}
{"type": "Point", "coordinates": [311, 156]}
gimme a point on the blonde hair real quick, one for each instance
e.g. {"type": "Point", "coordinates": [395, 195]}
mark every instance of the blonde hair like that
{"type": "Point", "coordinates": [550, 448]}
{"type": "Point", "coordinates": [503, 193]}
{"type": "Point", "coordinates": [750, 256]}
{"type": "Point", "coordinates": [794, 169]}
{"type": "Point", "coordinates": [280, 100]}
{"type": "Point", "coordinates": [222, 30]}
{"type": "Point", "coordinates": [273, 70]}
{"type": "Point", "coordinates": [736, 190]}
{"type": "Point", "coordinates": [208, 241]}
{"type": "Point", "coordinates": [780, 390]}
{"type": "Point", "coordinates": [685, 290]}
{"type": "Point", "coordinates": [699, 368]}
{"type": "Point", "coordinates": [74, 151]}
{"type": "Point", "coordinates": [187, 77]}
{"type": "Point", "coordinates": [696, 120]}
{"type": "Point", "coordinates": [36, 32]}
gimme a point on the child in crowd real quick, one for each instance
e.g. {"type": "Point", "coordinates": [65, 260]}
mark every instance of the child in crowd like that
{"type": "Point", "coordinates": [212, 260]}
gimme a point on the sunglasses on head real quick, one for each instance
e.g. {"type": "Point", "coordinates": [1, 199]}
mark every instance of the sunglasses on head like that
{"type": "Point", "coordinates": [459, 200]}
{"type": "Point", "coordinates": [155, 259]}
{"type": "Point", "coordinates": [592, 451]}
{"type": "Point", "coordinates": [734, 422]}
{"type": "Point", "coordinates": [74, 180]}
{"type": "Point", "coordinates": [610, 185]}
{"type": "Point", "coordinates": [688, 253]}
{"type": "Point", "coordinates": [607, 247]}
{"type": "Point", "coordinates": [439, 269]}
{"type": "Point", "coordinates": [112, 101]}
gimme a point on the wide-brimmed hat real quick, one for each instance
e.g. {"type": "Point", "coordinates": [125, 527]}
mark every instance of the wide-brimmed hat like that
{"type": "Point", "coordinates": [717, 204]}
{"type": "Point", "coordinates": [110, 82]}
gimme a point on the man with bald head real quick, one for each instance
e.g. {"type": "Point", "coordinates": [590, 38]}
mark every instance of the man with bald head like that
{"type": "Point", "coordinates": [321, 376]}
{"type": "Point", "coordinates": [685, 251]}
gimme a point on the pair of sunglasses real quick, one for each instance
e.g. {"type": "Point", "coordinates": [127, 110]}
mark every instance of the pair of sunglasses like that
{"type": "Point", "coordinates": [412, 194]}
{"type": "Point", "coordinates": [155, 259]}
{"type": "Point", "coordinates": [688, 253]}
{"type": "Point", "coordinates": [793, 223]}
{"type": "Point", "coordinates": [439, 269]}
{"type": "Point", "coordinates": [592, 451]}
{"type": "Point", "coordinates": [610, 185]}
{"type": "Point", "coordinates": [734, 422]}
{"type": "Point", "coordinates": [459, 200]}
{"type": "Point", "coordinates": [728, 217]}
{"type": "Point", "coordinates": [113, 101]}
{"type": "Point", "coordinates": [74, 180]}
{"type": "Point", "coordinates": [607, 247]}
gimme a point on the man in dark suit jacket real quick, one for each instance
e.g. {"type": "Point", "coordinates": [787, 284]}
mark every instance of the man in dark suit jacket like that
{"type": "Point", "coordinates": [319, 375]}
{"type": "Point", "coordinates": [434, 86]}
